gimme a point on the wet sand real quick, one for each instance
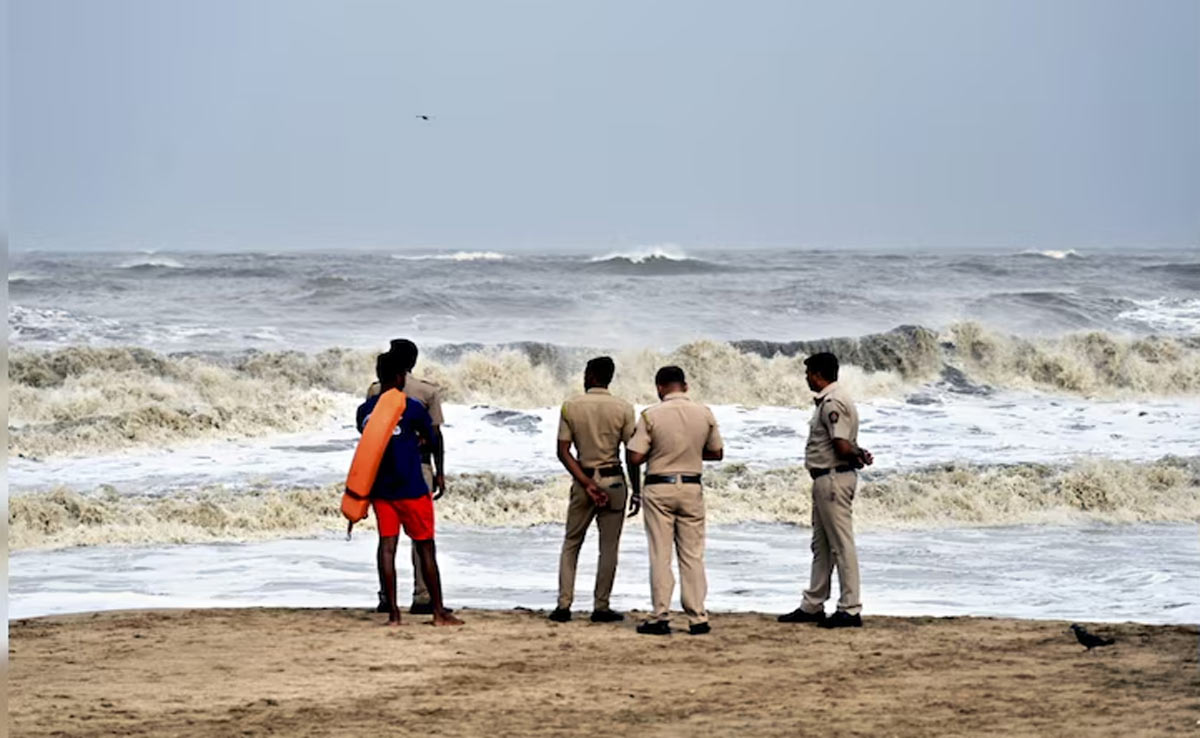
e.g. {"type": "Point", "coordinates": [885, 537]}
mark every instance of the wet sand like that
{"type": "Point", "coordinates": [341, 673]}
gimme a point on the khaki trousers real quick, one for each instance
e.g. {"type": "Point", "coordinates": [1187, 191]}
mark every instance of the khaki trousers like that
{"type": "Point", "coordinates": [674, 516]}
{"type": "Point", "coordinates": [420, 590]}
{"type": "Point", "coordinates": [833, 543]}
{"type": "Point", "coordinates": [581, 511]}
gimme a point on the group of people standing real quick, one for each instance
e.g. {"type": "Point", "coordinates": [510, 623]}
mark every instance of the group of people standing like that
{"type": "Point", "coordinates": [672, 439]}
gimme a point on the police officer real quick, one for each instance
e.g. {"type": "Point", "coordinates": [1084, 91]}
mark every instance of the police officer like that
{"type": "Point", "coordinates": [430, 396]}
{"type": "Point", "coordinates": [597, 423]}
{"type": "Point", "coordinates": [833, 458]}
{"type": "Point", "coordinates": [674, 438]}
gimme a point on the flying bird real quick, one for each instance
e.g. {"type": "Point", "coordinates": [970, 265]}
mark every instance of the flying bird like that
{"type": "Point", "coordinates": [424, 117]}
{"type": "Point", "coordinates": [1089, 641]}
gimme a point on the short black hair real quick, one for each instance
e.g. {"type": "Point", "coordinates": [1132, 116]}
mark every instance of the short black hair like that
{"type": "Point", "coordinates": [601, 369]}
{"type": "Point", "coordinates": [824, 364]}
{"type": "Point", "coordinates": [669, 375]}
{"type": "Point", "coordinates": [387, 367]}
{"type": "Point", "coordinates": [405, 351]}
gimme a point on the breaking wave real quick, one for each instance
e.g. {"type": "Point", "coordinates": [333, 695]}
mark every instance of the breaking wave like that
{"type": "Point", "coordinates": [651, 260]}
{"type": "Point", "coordinates": [151, 262]}
{"type": "Point", "coordinates": [78, 399]}
{"type": "Point", "coordinates": [940, 496]}
{"type": "Point", "coordinates": [456, 256]}
{"type": "Point", "coordinates": [1056, 254]}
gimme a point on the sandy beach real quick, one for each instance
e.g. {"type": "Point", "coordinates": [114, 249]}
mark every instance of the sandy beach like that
{"type": "Point", "coordinates": [340, 672]}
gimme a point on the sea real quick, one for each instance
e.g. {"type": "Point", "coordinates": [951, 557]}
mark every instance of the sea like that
{"type": "Point", "coordinates": [180, 423]}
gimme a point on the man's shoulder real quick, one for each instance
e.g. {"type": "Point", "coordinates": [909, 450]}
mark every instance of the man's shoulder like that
{"type": "Point", "coordinates": [422, 389]}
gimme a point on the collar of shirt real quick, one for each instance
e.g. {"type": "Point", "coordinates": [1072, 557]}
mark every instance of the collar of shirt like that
{"type": "Point", "coordinates": [675, 396]}
{"type": "Point", "coordinates": [598, 391]}
{"type": "Point", "coordinates": [824, 393]}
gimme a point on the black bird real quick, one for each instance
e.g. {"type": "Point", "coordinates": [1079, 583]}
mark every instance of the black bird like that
{"type": "Point", "coordinates": [1089, 641]}
{"type": "Point", "coordinates": [423, 117]}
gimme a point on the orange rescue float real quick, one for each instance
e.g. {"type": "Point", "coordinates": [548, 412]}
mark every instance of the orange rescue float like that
{"type": "Point", "coordinates": [365, 466]}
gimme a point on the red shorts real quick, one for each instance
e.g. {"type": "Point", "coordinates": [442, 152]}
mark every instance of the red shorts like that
{"type": "Point", "coordinates": [416, 516]}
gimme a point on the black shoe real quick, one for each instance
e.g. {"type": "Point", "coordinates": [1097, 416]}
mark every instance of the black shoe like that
{"type": "Point", "coordinates": [383, 604]}
{"type": "Point", "coordinates": [800, 616]}
{"type": "Point", "coordinates": [655, 628]}
{"type": "Point", "coordinates": [606, 616]}
{"type": "Point", "coordinates": [421, 608]}
{"type": "Point", "coordinates": [560, 615]}
{"type": "Point", "coordinates": [841, 619]}
{"type": "Point", "coordinates": [699, 629]}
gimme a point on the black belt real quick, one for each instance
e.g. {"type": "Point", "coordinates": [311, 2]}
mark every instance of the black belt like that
{"type": "Point", "coordinates": [605, 471]}
{"type": "Point", "coordinates": [817, 473]}
{"type": "Point", "coordinates": [671, 478]}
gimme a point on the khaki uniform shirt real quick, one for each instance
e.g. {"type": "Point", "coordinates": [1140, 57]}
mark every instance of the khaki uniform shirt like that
{"type": "Point", "coordinates": [597, 423]}
{"type": "Point", "coordinates": [427, 394]}
{"type": "Point", "coordinates": [833, 417]}
{"type": "Point", "coordinates": [674, 435]}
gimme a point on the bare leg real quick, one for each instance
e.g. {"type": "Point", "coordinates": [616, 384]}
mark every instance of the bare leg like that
{"type": "Point", "coordinates": [386, 557]}
{"type": "Point", "coordinates": [433, 580]}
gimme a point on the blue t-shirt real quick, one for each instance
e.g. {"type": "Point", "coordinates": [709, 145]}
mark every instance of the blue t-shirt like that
{"type": "Point", "coordinates": [400, 476]}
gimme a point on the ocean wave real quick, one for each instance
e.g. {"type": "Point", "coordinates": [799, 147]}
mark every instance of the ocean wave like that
{"type": "Point", "coordinates": [1056, 254]}
{"type": "Point", "coordinates": [664, 259]}
{"type": "Point", "coordinates": [456, 256]}
{"type": "Point", "coordinates": [1170, 315]}
{"type": "Point", "coordinates": [79, 400]}
{"type": "Point", "coordinates": [662, 252]}
{"type": "Point", "coordinates": [154, 262]}
{"type": "Point", "coordinates": [945, 495]}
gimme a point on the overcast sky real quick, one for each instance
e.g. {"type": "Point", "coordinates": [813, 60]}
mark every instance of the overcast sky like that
{"type": "Point", "coordinates": [271, 124]}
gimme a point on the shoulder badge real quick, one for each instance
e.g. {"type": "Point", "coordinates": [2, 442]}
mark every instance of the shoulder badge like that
{"type": "Point", "coordinates": [833, 416]}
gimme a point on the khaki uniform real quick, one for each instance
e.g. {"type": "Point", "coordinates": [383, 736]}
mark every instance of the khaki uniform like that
{"type": "Point", "coordinates": [674, 435]}
{"type": "Point", "coordinates": [833, 493]}
{"type": "Point", "coordinates": [597, 423]}
{"type": "Point", "coordinates": [430, 396]}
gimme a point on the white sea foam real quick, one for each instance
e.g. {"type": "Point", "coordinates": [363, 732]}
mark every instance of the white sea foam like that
{"type": "Point", "coordinates": [1042, 572]}
{"type": "Point", "coordinates": [642, 254]}
{"type": "Point", "coordinates": [456, 256]}
{"type": "Point", "coordinates": [1057, 254]}
{"type": "Point", "coordinates": [155, 262]}
{"type": "Point", "coordinates": [1166, 314]}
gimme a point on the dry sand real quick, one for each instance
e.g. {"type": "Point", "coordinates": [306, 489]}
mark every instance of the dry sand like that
{"type": "Point", "coordinates": [341, 673]}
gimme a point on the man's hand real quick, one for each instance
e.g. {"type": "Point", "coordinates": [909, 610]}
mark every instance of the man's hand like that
{"type": "Point", "coordinates": [865, 457]}
{"type": "Point", "coordinates": [635, 504]}
{"type": "Point", "coordinates": [439, 486]}
{"type": "Point", "coordinates": [599, 496]}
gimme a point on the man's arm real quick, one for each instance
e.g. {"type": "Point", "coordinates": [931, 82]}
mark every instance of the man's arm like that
{"type": "Point", "coordinates": [852, 453]}
{"type": "Point", "coordinates": [633, 462]}
{"type": "Point", "coordinates": [439, 463]}
{"type": "Point", "coordinates": [439, 453]}
{"type": "Point", "coordinates": [636, 450]}
{"type": "Point", "coordinates": [714, 445]}
{"type": "Point", "coordinates": [837, 421]}
{"type": "Point", "coordinates": [572, 465]}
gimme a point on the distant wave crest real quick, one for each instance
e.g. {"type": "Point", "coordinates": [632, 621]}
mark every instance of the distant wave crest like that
{"type": "Point", "coordinates": [456, 256]}
{"type": "Point", "coordinates": [1056, 254]}
{"type": "Point", "coordinates": [650, 260]}
{"type": "Point", "coordinates": [944, 495]}
{"type": "Point", "coordinates": [151, 262]}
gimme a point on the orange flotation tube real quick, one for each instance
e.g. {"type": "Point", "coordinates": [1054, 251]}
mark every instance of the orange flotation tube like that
{"type": "Point", "coordinates": [369, 453]}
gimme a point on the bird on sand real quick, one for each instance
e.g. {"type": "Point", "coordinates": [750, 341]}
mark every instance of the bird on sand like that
{"type": "Point", "coordinates": [1089, 641]}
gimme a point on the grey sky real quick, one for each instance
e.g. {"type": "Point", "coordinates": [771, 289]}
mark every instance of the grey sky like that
{"type": "Point", "coordinates": [289, 123]}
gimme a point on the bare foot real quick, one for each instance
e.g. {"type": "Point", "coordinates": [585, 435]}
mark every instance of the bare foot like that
{"type": "Point", "coordinates": [445, 618]}
{"type": "Point", "coordinates": [394, 619]}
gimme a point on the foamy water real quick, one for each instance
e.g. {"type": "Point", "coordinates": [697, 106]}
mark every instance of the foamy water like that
{"type": "Point", "coordinates": [1146, 573]}
{"type": "Point", "coordinates": [1030, 412]}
